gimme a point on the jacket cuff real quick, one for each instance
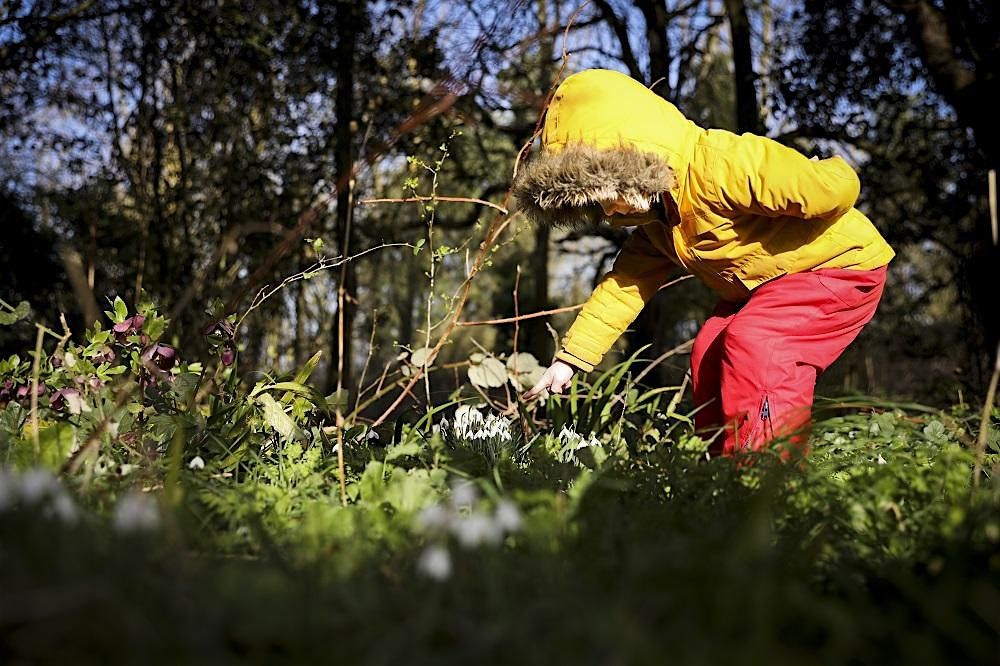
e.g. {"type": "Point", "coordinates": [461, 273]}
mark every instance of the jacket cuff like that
{"type": "Point", "coordinates": [576, 362]}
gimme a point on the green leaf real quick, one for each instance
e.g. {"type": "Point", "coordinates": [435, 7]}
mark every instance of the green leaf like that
{"type": "Point", "coordinates": [337, 398]}
{"type": "Point", "coordinates": [422, 357]}
{"type": "Point", "coordinates": [491, 373]}
{"type": "Point", "coordinates": [276, 417]}
{"type": "Point", "coordinates": [412, 490]}
{"type": "Point", "coordinates": [307, 369]}
{"type": "Point", "coordinates": [409, 448]}
{"type": "Point", "coordinates": [524, 370]}
{"type": "Point", "coordinates": [154, 327]}
{"type": "Point", "coordinates": [294, 387]}
{"type": "Point", "coordinates": [19, 313]}
{"type": "Point", "coordinates": [121, 310]}
{"type": "Point", "coordinates": [55, 443]}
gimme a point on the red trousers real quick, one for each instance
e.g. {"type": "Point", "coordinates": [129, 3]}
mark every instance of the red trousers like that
{"type": "Point", "coordinates": [754, 364]}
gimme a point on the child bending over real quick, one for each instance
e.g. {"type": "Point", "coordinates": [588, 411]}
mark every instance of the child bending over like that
{"type": "Point", "coordinates": [798, 269]}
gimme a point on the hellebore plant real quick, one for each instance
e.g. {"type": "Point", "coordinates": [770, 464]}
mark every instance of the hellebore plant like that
{"type": "Point", "coordinates": [222, 335]}
{"type": "Point", "coordinates": [131, 326]}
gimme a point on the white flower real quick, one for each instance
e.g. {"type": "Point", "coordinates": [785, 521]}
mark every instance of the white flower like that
{"type": "Point", "coordinates": [464, 494]}
{"type": "Point", "coordinates": [135, 512]}
{"type": "Point", "coordinates": [573, 441]}
{"type": "Point", "coordinates": [36, 484]}
{"type": "Point", "coordinates": [63, 508]}
{"type": "Point", "coordinates": [37, 487]}
{"type": "Point", "coordinates": [433, 518]}
{"type": "Point", "coordinates": [101, 466]}
{"type": "Point", "coordinates": [435, 562]}
{"type": "Point", "coordinates": [470, 425]}
{"type": "Point", "coordinates": [476, 529]}
{"type": "Point", "coordinates": [196, 463]}
{"type": "Point", "coordinates": [508, 517]}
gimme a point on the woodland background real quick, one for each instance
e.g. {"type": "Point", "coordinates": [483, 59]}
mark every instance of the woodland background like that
{"type": "Point", "coordinates": [194, 150]}
{"type": "Point", "coordinates": [218, 217]}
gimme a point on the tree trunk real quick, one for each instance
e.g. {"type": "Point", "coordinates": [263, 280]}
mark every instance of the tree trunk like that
{"type": "Point", "coordinates": [965, 86]}
{"type": "Point", "coordinates": [347, 16]}
{"type": "Point", "coordinates": [536, 340]}
{"type": "Point", "coordinates": [747, 109]}
{"type": "Point", "coordinates": [655, 14]}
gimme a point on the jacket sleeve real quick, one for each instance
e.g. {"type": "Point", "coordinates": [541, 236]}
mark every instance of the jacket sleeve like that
{"type": "Point", "coordinates": [638, 272]}
{"type": "Point", "coordinates": [759, 176]}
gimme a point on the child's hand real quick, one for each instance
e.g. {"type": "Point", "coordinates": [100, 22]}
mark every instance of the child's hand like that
{"type": "Point", "coordinates": [555, 379]}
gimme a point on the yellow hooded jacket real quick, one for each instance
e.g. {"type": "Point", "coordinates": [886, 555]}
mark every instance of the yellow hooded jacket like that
{"type": "Point", "coordinates": [744, 210]}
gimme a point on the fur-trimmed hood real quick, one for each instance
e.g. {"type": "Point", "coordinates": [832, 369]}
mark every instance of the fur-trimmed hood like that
{"type": "Point", "coordinates": [605, 136]}
{"type": "Point", "coordinates": [565, 188]}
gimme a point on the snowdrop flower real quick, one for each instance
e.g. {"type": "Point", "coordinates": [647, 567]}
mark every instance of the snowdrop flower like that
{"type": "Point", "coordinates": [38, 487]}
{"type": "Point", "coordinates": [196, 463]}
{"type": "Point", "coordinates": [101, 466]}
{"type": "Point", "coordinates": [470, 425]}
{"type": "Point", "coordinates": [38, 483]}
{"type": "Point", "coordinates": [433, 518]}
{"type": "Point", "coordinates": [435, 563]}
{"type": "Point", "coordinates": [508, 517]}
{"type": "Point", "coordinates": [135, 512]}
{"type": "Point", "coordinates": [477, 529]}
{"type": "Point", "coordinates": [571, 442]}
{"type": "Point", "coordinates": [574, 440]}
{"type": "Point", "coordinates": [63, 508]}
{"type": "Point", "coordinates": [464, 494]}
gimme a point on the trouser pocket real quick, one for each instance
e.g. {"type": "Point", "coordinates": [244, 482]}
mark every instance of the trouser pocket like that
{"type": "Point", "coordinates": [759, 426]}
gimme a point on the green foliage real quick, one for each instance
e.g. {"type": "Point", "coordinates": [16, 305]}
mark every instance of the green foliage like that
{"type": "Point", "coordinates": [604, 503]}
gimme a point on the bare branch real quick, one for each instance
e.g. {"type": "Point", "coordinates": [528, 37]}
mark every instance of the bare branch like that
{"type": "Point", "coordinates": [437, 198]}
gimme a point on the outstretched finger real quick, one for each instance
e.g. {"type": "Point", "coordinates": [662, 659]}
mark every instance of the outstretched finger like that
{"type": "Point", "coordinates": [536, 390]}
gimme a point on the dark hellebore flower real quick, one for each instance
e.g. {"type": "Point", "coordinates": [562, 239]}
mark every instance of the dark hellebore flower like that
{"type": "Point", "coordinates": [161, 355]}
{"type": "Point", "coordinates": [24, 391]}
{"type": "Point", "coordinates": [107, 355]}
{"type": "Point", "coordinates": [130, 326]}
{"type": "Point", "coordinates": [57, 400]}
{"type": "Point", "coordinates": [222, 328]}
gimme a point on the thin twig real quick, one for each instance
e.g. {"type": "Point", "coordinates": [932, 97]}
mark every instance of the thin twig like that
{"type": "Point", "coordinates": [35, 372]}
{"type": "Point", "coordinates": [517, 313]}
{"type": "Point", "coordinates": [323, 264]}
{"type": "Point", "coordinates": [436, 198]}
{"type": "Point", "coordinates": [992, 178]}
{"type": "Point", "coordinates": [368, 360]}
{"type": "Point", "coordinates": [672, 406]}
{"type": "Point", "coordinates": [515, 319]}
{"type": "Point", "coordinates": [545, 313]}
{"type": "Point", "coordinates": [679, 349]}
{"type": "Point", "coordinates": [984, 422]}
{"type": "Point", "coordinates": [341, 292]}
